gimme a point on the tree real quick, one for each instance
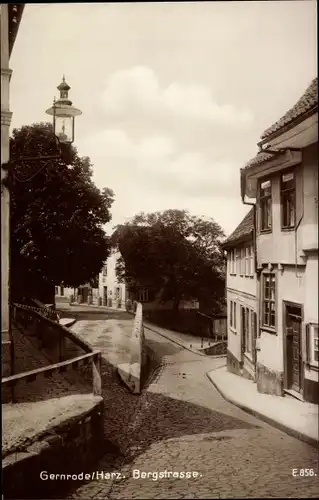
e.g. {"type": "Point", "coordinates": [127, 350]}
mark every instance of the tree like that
{"type": "Point", "coordinates": [57, 216]}
{"type": "Point", "coordinates": [174, 252]}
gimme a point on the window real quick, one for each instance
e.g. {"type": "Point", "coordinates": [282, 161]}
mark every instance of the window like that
{"type": "Point", "coordinates": [249, 329]}
{"type": "Point", "coordinates": [252, 270]}
{"type": "Point", "coordinates": [238, 261]}
{"type": "Point", "coordinates": [61, 290]}
{"type": "Point", "coordinates": [242, 262]}
{"type": "Point", "coordinates": [313, 344]}
{"type": "Point", "coordinates": [265, 205]}
{"type": "Point", "coordinates": [104, 270]}
{"type": "Point", "coordinates": [269, 300]}
{"type": "Point", "coordinates": [247, 332]}
{"type": "Point", "coordinates": [288, 200]}
{"type": "Point", "coordinates": [232, 268]}
{"type": "Point", "coordinates": [143, 295]}
{"type": "Point", "coordinates": [232, 314]}
{"type": "Point", "coordinates": [253, 325]}
{"type": "Point", "coordinates": [247, 261]}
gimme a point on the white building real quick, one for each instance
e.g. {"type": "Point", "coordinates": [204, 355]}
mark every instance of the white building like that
{"type": "Point", "coordinates": [282, 180]}
{"type": "Point", "coordinates": [64, 293]}
{"type": "Point", "coordinates": [241, 299]}
{"type": "Point", "coordinates": [111, 292]}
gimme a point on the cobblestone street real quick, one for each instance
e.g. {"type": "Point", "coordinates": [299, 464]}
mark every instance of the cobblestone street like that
{"type": "Point", "coordinates": [181, 423]}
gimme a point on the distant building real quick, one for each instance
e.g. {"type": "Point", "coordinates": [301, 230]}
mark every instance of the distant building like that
{"type": "Point", "coordinates": [241, 286]}
{"type": "Point", "coordinates": [64, 293]}
{"type": "Point", "coordinates": [111, 292]}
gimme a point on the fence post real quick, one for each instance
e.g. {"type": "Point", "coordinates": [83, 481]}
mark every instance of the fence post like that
{"type": "Point", "coordinates": [96, 373]}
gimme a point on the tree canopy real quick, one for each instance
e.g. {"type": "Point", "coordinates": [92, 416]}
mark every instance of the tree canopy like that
{"type": "Point", "coordinates": [56, 216]}
{"type": "Point", "coordinates": [174, 252]}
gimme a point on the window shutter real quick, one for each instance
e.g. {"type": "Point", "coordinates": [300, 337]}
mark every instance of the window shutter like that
{"type": "Point", "coordinates": [308, 346]}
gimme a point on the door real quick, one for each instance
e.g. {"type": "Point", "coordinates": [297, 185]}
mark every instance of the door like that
{"type": "Point", "coordinates": [105, 296]}
{"type": "Point", "coordinates": [294, 354]}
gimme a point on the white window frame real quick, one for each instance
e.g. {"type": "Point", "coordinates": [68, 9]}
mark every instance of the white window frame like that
{"type": "Point", "coordinates": [265, 205]}
{"type": "Point", "coordinates": [269, 300]}
{"type": "Point", "coordinates": [252, 270]}
{"type": "Point", "coordinates": [242, 261]}
{"type": "Point", "coordinates": [232, 268]}
{"type": "Point", "coordinates": [237, 259]}
{"type": "Point", "coordinates": [313, 333]}
{"type": "Point", "coordinates": [232, 315]}
{"type": "Point", "coordinates": [288, 199]}
{"type": "Point", "coordinates": [247, 261]}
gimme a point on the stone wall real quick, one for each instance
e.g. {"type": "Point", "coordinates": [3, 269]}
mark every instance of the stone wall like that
{"type": "Point", "coordinates": [268, 381]}
{"type": "Point", "coordinates": [70, 448]}
{"type": "Point", "coordinates": [133, 371]}
{"type": "Point", "coordinates": [218, 349]}
{"type": "Point", "coordinates": [233, 364]}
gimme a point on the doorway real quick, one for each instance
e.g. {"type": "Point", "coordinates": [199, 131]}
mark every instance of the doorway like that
{"type": "Point", "coordinates": [293, 323]}
{"type": "Point", "coordinates": [105, 296]}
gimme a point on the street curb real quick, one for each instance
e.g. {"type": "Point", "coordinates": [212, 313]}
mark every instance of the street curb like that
{"type": "Point", "coordinates": [182, 345]}
{"type": "Point", "coordinates": [282, 427]}
{"type": "Point", "coordinates": [103, 308]}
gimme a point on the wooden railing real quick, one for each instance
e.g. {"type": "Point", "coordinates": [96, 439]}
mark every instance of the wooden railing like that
{"type": "Point", "coordinates": [61, 347]}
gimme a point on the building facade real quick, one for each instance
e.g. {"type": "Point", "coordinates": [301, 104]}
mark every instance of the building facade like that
{"type": "Point", "coordinates": [10, 16]}
{"type": "Point", "coordinates": [282, 181]}
{"type": "Point", "coordinates": [241, 286]}
{"type": "Point", "coordinates": [111, 292]}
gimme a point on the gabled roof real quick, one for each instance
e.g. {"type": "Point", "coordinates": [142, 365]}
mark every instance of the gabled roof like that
{"type": "Point", "coordinates": [307, 103]}
{"type": "Point", "coordinates": [242, 231]}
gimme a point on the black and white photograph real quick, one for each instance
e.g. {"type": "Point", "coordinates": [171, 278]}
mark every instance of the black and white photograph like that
{"type": "Point", "coordinates": [159, 250]}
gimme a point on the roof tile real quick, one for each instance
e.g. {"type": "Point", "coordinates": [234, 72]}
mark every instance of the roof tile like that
{"type": "Point", "coordinates": [307, 101]}
{"type": "Point", "coordinates": [245, 228]}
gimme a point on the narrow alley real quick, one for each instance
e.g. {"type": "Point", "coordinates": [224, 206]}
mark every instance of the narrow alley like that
{"type": "Point", "coordinates": [180, 423]}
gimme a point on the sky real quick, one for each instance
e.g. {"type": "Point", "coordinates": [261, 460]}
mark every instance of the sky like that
{"type": "Point", "coordinates": [175, 96]}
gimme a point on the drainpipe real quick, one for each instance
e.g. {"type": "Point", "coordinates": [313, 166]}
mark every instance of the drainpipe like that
{"type": "Point", "coordinates": [297, 227]}
{"type": "Point", "coordinates": [243, 189]}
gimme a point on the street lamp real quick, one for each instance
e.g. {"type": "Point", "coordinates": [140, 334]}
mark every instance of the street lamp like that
{"type": "Point", "coordinates": [63, 114]}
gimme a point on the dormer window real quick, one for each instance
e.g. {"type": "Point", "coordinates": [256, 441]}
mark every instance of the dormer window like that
{"type": "Point", "coordinates": [265, 205]}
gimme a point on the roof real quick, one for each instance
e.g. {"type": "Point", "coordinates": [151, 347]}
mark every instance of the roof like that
{"type": "Point", "coordinates": [15, 12]}
{"type": "Point", "coordinates": [244, 229]}
{"type": "Point", "coordinates": [307, 102]}
{"type": "Point", "coordinates": [260, 157]}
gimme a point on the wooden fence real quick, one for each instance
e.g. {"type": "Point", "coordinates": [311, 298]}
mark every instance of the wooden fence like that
{"type": "Point", "coordinates": [63, 349]}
